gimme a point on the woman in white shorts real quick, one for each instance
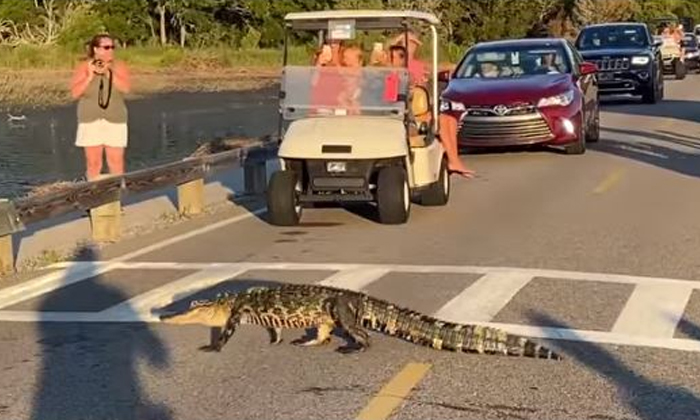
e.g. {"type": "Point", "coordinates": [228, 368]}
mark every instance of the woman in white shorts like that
{"type": "Point", "coordinates": [99, 83]}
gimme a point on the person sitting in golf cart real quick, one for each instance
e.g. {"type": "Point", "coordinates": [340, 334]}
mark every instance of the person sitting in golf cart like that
{"type": "Point", "coordinates": [418, 72]}
{"type": "Point", "coordinates": [337, 82]}
{"type": "Point", "coordinates": [350, 90]}
{"type": "Point", "coordinates": [417, 69]}
{"type": "Point", "coordinates": [329, 54]}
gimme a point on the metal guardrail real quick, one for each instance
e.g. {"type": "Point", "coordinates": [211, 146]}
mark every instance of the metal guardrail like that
{"type": "Point", "coordinates": [103, 197]}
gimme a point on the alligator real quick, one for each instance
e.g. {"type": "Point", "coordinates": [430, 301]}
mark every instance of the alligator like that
{"type": "Point", "coordinates": [327, 307]}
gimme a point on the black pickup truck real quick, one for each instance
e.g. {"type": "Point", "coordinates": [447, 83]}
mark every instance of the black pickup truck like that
{"type": "Point", "coordinates": [628, 59]}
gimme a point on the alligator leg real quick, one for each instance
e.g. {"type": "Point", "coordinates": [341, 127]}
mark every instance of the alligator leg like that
{"type": "Point", "coordinates": [344, 313]}
{"type": "Point", "coordinates": [323, 336]}
{"type": "Point", "coordinates": [214, 334]}
{"type": "Point", "coordinates": [275, 335]}
{"type": "Point", "coordinates": [225, 335]}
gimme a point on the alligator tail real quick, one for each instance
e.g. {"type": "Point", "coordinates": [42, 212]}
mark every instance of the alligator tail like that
{"type": "Point", "coordinates": [385, 317]}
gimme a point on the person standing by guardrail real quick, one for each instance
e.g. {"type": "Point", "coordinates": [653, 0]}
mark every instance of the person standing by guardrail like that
{"type": "Point", "coordinates": [99, 84]}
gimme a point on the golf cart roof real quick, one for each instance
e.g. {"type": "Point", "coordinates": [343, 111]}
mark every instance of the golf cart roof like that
{"type": "Point", "coordinates": [364, 19]}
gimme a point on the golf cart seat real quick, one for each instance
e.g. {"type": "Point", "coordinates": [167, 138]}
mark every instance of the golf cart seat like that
{"type": "Point", "coordinates": [420, 117]}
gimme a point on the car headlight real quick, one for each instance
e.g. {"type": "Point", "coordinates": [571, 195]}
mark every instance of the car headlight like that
{"type": "Point", "coordinates": [446, 105]}
{"type": "Point", "coordinates": [640, 60]}
{"type": "Point", "coordinates": [692, 54]}
{"type": "Point", "coordinates": [563, 99]}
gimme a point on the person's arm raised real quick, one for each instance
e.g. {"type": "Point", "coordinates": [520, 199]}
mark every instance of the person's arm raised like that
{"type": "Point", "coordinates": [81, 79]}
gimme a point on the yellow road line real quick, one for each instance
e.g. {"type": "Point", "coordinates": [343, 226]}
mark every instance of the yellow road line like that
{"type": "Point", "coordinates": [393, 393]}
{"type": "Point", "coordinates": [609, 181]}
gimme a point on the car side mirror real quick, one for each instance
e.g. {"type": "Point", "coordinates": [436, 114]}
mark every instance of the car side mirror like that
{"type": "Point", "coordinates": [658, 43]}
{"type": "Point", "coordinates": [444, 76]}
{"type": "Point", "coordinates": [588, 68]}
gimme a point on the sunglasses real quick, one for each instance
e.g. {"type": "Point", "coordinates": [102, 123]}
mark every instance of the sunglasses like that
{"type": "Point", "coordinates": [108, 47]}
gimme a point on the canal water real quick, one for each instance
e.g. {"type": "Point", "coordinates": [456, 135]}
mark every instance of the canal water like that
{"type": "Point", "coordinates": [39, 148]}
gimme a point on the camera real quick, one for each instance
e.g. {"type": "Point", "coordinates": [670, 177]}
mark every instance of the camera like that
{"type": "Point", "coordinates": [99, 64]}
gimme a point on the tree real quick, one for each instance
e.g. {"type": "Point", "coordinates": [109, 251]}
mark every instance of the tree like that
{"type": "Point", "coordinates": [586, 12]}
{"type": "Point", "coordinates": [127, 20]}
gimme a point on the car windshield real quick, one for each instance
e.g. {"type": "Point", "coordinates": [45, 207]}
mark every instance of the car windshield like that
{"type": "Point", "coordinates": [335, 90]}
{"type": "Point", "coordinates": [690, 41]}
{"type": "Point", "coordinates": [513, 61]}
{"type": "Point", "coordinates": [612, 37]}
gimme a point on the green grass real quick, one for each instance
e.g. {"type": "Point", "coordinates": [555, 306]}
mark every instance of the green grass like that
{"type": "Point", "coordinates": [39, 76]}
{"type": "Point", "coordinates": [26, 57]}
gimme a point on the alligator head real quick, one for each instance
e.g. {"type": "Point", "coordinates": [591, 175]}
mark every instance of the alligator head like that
{"type": "Point", "coordinates": [212, 313]}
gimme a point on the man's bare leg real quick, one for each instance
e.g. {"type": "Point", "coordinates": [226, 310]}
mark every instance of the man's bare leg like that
{"type": "Point", "coordinates": [448, 136]}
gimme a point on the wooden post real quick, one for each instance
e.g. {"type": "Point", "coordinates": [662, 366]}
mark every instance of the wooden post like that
{"type": "Point", "coordinates": [106, 221]}
{"type": "Point", "coordinates": [7, 255]}
{"type": "Point", "coordinates": [255, 177]}
{"type": "Point", "coordinates": [10, 223]}
{"type": "Point", "coordinates": [190, 197]}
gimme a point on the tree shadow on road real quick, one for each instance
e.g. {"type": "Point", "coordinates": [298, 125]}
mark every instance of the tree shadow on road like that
{"type": "Point", "coordinates": [668, 108]}
{"type": "Point", "coordinates": [664, 136]}
{"type": "Point", "coordinates": [90, 370]}
{"type": "Point", "coordinates": [648, 399]}
{"type": "Point", "coordinates": [664, 157]}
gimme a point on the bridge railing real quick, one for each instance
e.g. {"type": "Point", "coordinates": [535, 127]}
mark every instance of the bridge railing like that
{"type": "Point", "coordinates": [103, 196]}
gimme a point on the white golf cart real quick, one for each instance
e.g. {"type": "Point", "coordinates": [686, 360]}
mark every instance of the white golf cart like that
{"type": "Point", "coordinates": [357, 134]}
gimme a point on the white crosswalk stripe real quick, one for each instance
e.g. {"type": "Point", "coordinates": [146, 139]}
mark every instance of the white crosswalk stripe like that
{"type": "Point", "coordinates": [485, 298]}
{"type": "Point", "coordinates": [648, 318]}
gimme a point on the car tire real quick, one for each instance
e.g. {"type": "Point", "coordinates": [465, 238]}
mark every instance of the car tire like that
{"type": "Point", "coordinates": [438, 194]}
{"type": "Point", "coordinates": [593, 133]}
{"type": "Point", "coordinates": [651, 96]}
{"type": "Point", "coordinates": [283, 207]}
{"type": "Point", "coordinates": [393, 195]}
{"type": "Point", "coordinates": [579, 146]}
{"type": "Point", "coordinates": [679, 70]}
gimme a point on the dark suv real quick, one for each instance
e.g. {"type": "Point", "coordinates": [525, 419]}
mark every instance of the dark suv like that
{"type": "Point", "coordinates": [628, 59]}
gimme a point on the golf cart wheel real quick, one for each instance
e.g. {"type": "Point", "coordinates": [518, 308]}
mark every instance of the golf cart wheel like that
{"type": "Point", "coordinates": [283, 208]}
{"type": "Point", "coordinates": [679, 70]}
{"type": "Point", "coordinates": [438, 193]}
{"type": "Point", "coordinates": [393, 195]}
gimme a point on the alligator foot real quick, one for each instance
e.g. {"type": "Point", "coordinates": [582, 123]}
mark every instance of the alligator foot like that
{"type": "Point", "coordinates": [323, 336]}
{"type": "Point", "coordinates": [275, 335]}
{"type": "Point", "coordinates": [350, 349]}
{"type": "Point", "coordinates": [209, 348]}
{"type": "Point", "coordinates": [312, 342]}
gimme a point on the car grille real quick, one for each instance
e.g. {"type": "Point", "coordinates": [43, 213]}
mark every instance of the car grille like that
{"type": "Point", "coordinates": [613, 64]}
{"type": "Point", "coordinates": [519, 129]}
{"type": "Point", "coordinates": [495, 111]}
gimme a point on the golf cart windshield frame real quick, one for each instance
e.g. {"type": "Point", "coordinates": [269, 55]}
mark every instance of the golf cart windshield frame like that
{"type": "Point", "coordinates": [362, 20]}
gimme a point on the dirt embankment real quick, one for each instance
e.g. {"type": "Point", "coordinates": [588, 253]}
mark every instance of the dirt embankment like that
{"type": "Point", "coordinates": [21, 89]}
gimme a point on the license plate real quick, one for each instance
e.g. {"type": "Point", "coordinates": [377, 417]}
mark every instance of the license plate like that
{"type": "Point", "coordinates": [606, 76]}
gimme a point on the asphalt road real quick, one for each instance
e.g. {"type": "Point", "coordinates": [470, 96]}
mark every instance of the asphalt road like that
{"type": "Point", "coordinates": [597, 252]}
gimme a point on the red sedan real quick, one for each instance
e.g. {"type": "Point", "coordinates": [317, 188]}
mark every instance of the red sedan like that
{"type": "Point", "coordinates": [523, 92]}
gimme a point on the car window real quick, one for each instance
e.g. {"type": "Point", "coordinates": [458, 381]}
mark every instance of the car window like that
{"type": "Point", "coordinates": [690, 40]}
{"type": "Point", "coordinates": [508, 61]}
{"type": "Point", "coordinates": [612, 37]}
